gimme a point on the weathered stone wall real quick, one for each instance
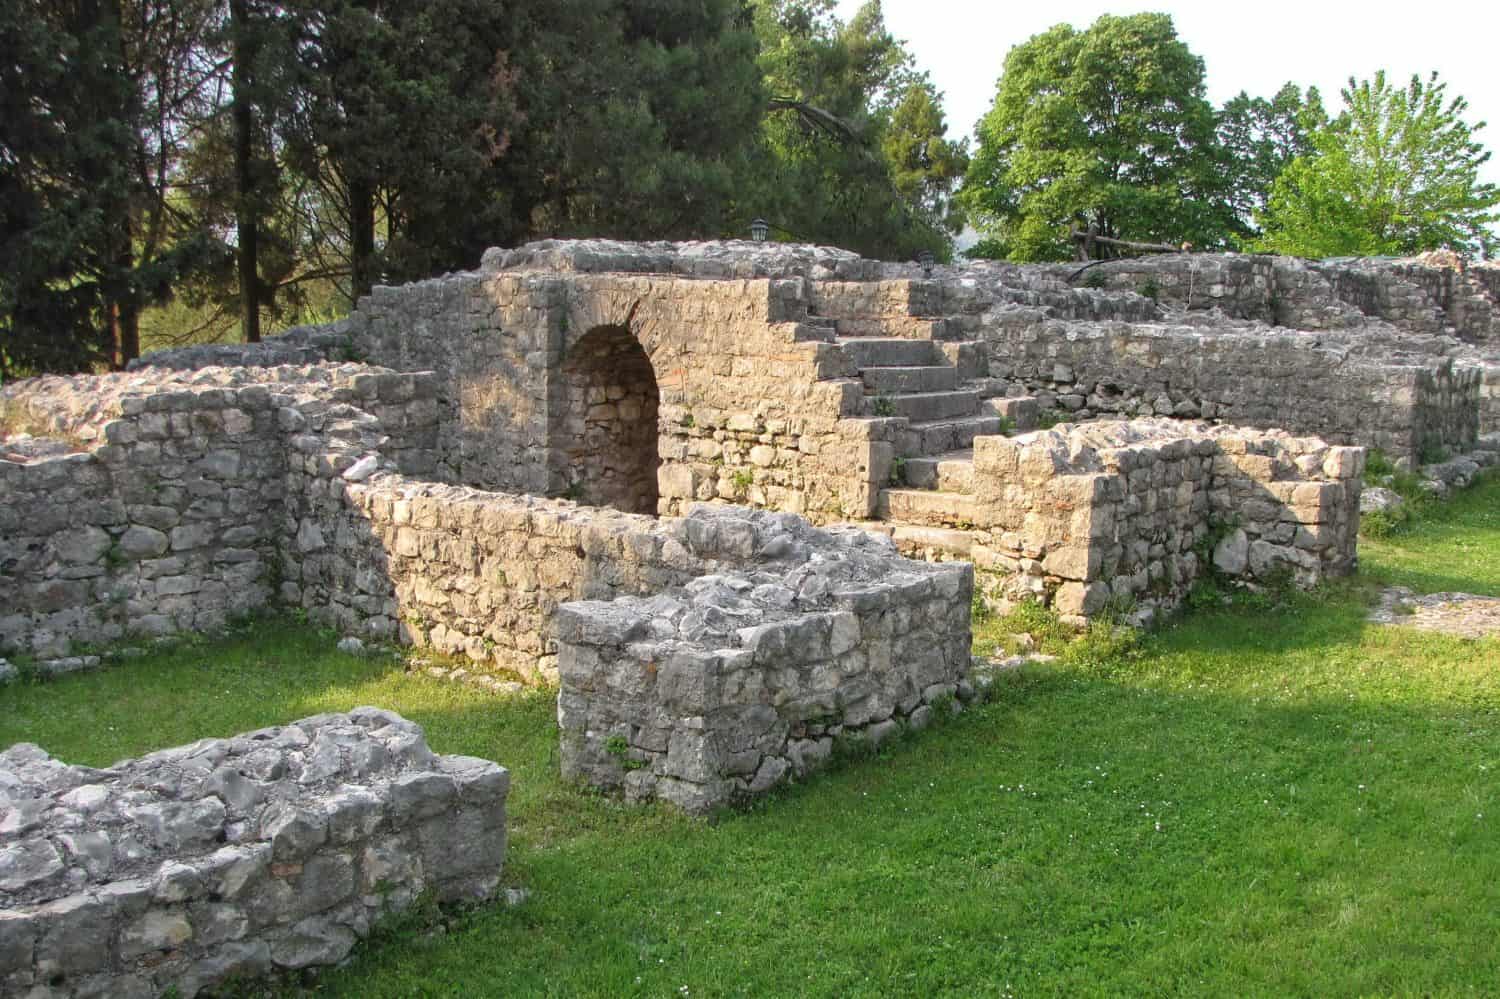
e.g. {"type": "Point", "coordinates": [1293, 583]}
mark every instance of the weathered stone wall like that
{"type": "Point", "coordinates": [481, 574]}
{"type": "Point", "coordinates": [1242, 287]}
{"type": "Point", "coordinates": [468, 572]}
{"type": "Point", "coordinates": [1422, 295]}
{"type": "Point", "coordinates": [734, 372]}
{"type": "Point", "coordinates": [1489, 398]}
{"type": "Point", "coordinates": [171, 519]}
{"type": "Point", "coordinates": [273, 850]}
{"type": "Point", "coordinates": [1085, 514]}
{"type": "Point", "coordinates": [730, 685]}
{"type": "Point", "coordinates": [1401, 403]}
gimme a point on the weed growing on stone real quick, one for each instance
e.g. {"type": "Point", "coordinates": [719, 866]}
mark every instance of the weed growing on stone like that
{"type": "Point", "coordinates": [1049, 418]}
{"type": "Point", "coordinates": [883, 406]}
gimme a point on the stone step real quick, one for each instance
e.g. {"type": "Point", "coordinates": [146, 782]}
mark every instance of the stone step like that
{"type": "Point", "coordinates": [919, 540]}
{"type": "Point", "coordinates": [1020, 413]}
{"type": "Point", "coordinates": [882, 352]}
{"type": "Point", "coordinates": [925, 407]}
{"type": "Point", "coordinates": [904, 327]}
{"type": "Point", "coordinates": [952, 472]}
{"type": "Point", "coordinates": [917, 378]}
{"type": "Point", "coordinates": [813, 330]}
{"type": "Point", "coordinates": [941, 436]}
{"type": "Point", "coordinates": [927, 507]}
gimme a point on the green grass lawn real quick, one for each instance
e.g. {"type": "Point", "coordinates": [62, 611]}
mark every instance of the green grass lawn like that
{"type": "Point", "coordinates": [1260, 802]}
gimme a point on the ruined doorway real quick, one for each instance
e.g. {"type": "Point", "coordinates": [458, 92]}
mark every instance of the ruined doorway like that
{"type": "Point", "coordinates": [606, 450]}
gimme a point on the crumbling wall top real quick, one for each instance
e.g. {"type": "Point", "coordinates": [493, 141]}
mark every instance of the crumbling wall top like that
{"type": "Point", "coordinates": [719, 259]}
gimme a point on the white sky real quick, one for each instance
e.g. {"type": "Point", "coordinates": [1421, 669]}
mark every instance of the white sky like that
{"type": "Point", "coordinates": [1254, 46]}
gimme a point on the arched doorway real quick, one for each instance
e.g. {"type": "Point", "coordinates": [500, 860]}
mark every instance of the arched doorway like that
{"type": "Point", "coordinates": [606, 448]}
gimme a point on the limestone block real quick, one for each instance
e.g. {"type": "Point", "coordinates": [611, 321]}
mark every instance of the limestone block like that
{"type": "Point", "coordinates": [283, 897]}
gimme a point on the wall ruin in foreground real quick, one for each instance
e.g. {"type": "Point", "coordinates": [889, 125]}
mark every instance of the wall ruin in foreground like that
{"type": "Point", "coordinates": [233, 858]}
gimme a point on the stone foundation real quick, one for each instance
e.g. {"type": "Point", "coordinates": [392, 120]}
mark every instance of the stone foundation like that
{"type": "Point", "coordinates": [719, 690]}
{"type": "Point", "coordinates": [233, 858]}
{"type": "Point", "coordinates": [170, 515]}
{"type": "Point", "coordinates": [1083, 515]}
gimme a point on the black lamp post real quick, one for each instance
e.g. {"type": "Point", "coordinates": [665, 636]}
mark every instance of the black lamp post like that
{"type": "Point", "coordinates": [759, 229]}
{"type": "Point", "coordinates": [926, 260]}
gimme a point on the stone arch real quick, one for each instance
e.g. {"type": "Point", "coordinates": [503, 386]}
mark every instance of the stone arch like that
{"type": "Point", "coordinates": [605, 450]}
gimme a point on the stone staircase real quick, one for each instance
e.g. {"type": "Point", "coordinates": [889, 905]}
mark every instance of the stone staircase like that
{"type": "Point", "coordinates": [923, 371]}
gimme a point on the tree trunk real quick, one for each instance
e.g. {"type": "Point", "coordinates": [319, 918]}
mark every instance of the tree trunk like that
{"type": "Point", "coordinates": [361, 238]}
{"type": "Point", "coordinates": [127, 307]}
{"type": "Point", "coordinates": [122, 299]}
{"type": "Point", "coordinates": [246, 205]}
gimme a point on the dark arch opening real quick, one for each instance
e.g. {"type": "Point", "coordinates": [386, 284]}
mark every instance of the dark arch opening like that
{"type": "Point", "coordinates": [608, 435]}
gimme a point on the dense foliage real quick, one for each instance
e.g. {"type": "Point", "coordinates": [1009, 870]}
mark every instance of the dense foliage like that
{"type": "Point", "coordinates": [1397, 172]}
{"type": "Point", "coordinates": [1105, 128]}
{"type": "Point", "coordinates": [1260, 137]}
{"type": "Point", "coordinates": [191, 169]}
{"type": "Point", "coordinates": [204, 165]}
{"type": "Point", "coordinates": [854, 152]}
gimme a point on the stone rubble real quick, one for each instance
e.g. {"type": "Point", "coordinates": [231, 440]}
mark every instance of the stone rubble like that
{"type": "Point", "coordinates": [273, 850]}
{"type": "Point", "coordinates": [721, 689]}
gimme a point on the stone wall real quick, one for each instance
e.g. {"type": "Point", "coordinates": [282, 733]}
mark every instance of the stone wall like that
{"type": "Point", "coordinates": [722, 689]}
{"type": "Point", "coordinates": [1402, 403]}
{"type": "Point", "coordinates": [751, 405]}
{"type": "Point", "coordinates": [1489, 398]}
{"type": "Point", "coordinates": [1081, 515]}
{"type": "Point", "coordinates": [233, 858]}
{"type": "Point", "coordinates": [1434, 293]}
{"type": "Point", "coordinates": [481, 574]}
{"type": "Point", "coordinates": [170, 518]}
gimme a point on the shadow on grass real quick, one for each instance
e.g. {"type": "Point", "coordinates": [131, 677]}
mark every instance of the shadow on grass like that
{"type": "Point", "coordinates": [1080, 833]}
{"type": "Point", "coordinates": [1244, 808]}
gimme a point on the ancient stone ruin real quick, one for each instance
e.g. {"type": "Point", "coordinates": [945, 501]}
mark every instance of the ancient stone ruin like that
{"type": "Point", "coordinates": [642, 378]}
{"type": "Point", "coordinates": [681, 482]}
{"type": "Point", "coordinates": [462, 458]}
{"type": "Point", "coordinates": [233, 858]}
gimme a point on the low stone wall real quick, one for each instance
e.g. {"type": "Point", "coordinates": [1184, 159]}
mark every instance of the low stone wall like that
{"type": "Point", "coordinates": [273, 850]}
{"type": "Point", "coordinates": [1430, 294]}
{"type": "Point", "coordinates": [1086, 514]}
{"type": "Point", "coordinates": [724, 688]}
{"type": "Point", "coordinates": [468, 572]}
{"type": "Point", "coordinates": [170, 517]}
{"type": "Point", "coordinates": [1401, 403]}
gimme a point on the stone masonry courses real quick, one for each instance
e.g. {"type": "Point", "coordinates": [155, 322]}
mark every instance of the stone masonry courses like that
{"type": "Point", "coordinates": [676, 480]}
{"type": "Point", "coordinates": [578, 383]}
{"type": "Point", "coordinates": [233, 858]}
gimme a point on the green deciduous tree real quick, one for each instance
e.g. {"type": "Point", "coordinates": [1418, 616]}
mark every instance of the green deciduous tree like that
{"type": "Point", "coordinates": [1260, 137]}
{"type": "Point", "coordinates": [1397, 172]}
{"type": "Point", "coordinates": [1106, 127]}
